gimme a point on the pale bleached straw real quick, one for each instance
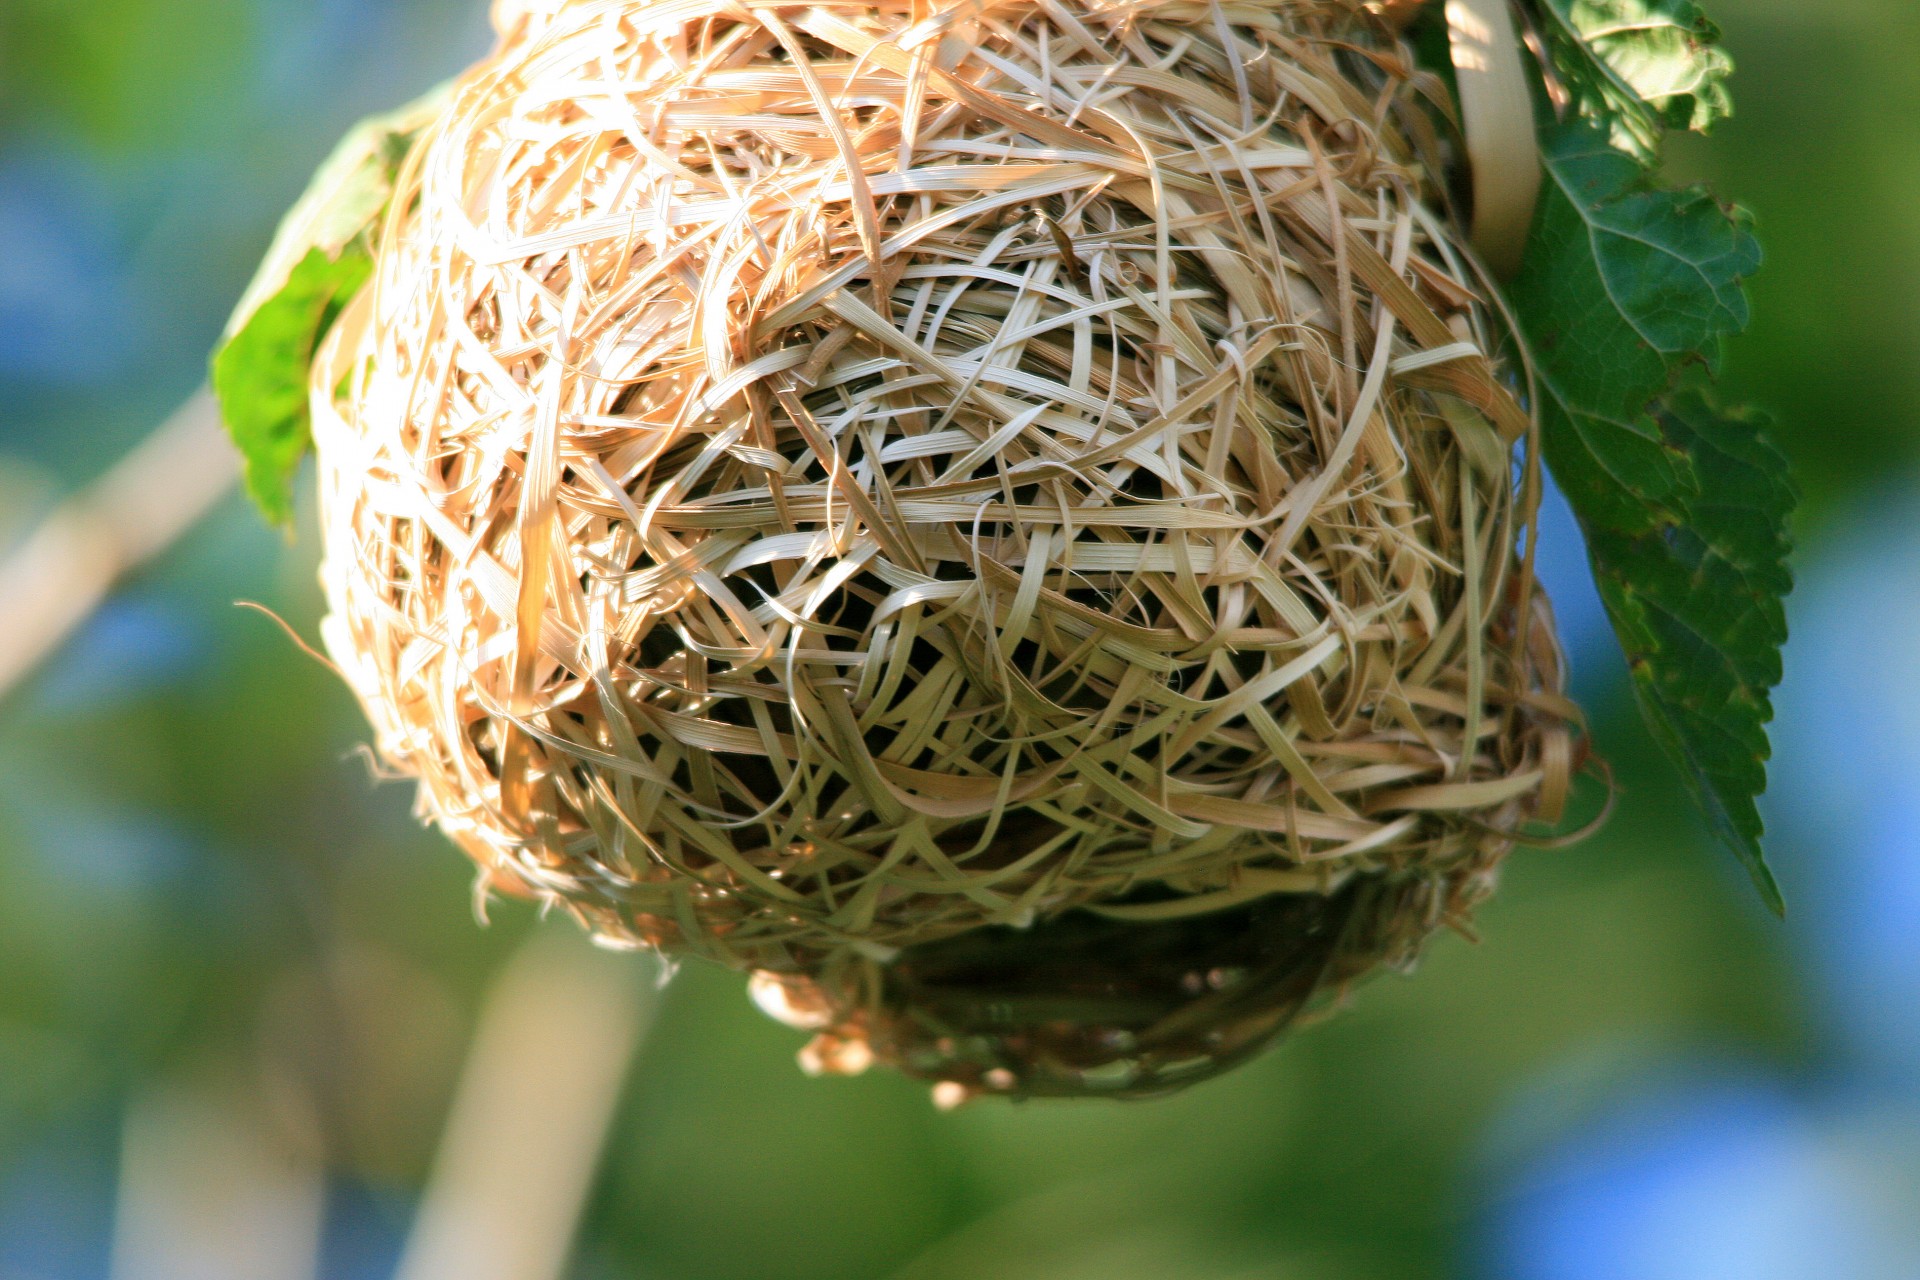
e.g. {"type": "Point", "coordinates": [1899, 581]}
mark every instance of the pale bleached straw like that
{"type": "Point", "coordinates": [810, 480]}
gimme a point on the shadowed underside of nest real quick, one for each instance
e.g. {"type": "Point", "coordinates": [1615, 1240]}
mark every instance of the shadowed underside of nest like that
{"type": "Point", "coordinates": [1084, 1005]}
{"type": "Point", "coordinates": [809, 482]}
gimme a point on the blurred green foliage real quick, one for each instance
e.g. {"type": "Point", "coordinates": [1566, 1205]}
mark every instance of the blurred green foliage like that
{"type": "Point", "coordinates": [124, 75]}
{"type": "Point", "coordinates": [1822, 147]}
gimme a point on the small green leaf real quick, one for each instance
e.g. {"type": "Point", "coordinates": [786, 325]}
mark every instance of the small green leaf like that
{"type": "Point", "coordinates": [319, 259]}
{"type": "Point", "coordinates": [260, 373]}
{"type": "Point", "coordinates": [1639, 66]}
{"type": "Point", "coordinates": [1625, 288]}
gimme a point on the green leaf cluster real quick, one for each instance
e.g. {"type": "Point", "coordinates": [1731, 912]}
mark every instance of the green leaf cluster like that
{"type": "Point", "coordinates": [1626, 296]}
{"type": "Point", "coordinates": [1639, 66]}
{"type": "Point", "coordinates": [320, 258]}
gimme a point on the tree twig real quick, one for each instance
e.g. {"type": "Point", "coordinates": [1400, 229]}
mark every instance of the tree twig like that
{"type": "Point", "coordinates": [535, 1102]}
{"type": "Point", "coordinates": [214, 1186]}
{"type": "Point", "coordinates": [67, 566]}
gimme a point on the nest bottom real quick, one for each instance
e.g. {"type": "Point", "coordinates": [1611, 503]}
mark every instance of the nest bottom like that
{"type": "Point", "coordinates": [1085, 1005]}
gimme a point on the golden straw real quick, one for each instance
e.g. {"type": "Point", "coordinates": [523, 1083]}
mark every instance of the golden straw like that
{"type": "Point", "coordinates": [809, 481]}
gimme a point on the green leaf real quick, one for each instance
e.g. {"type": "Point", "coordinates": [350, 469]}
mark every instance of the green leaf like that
{"type": "Point", "coordinates": [320, 257]}
{"type": "Point", "coordinates": [260, 373]}
{"type": "Point", "coordinates": [1625, 289]}
{"type": "Point", "coordinates": [1639, 66]}
{"type": "Point", "coordinates": [1698, 607]}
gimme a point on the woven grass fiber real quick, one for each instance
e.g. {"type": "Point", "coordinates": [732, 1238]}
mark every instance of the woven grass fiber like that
{"type": "Point", "coordinates": [811, 483]}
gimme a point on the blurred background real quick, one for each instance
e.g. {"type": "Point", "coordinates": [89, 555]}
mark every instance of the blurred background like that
{"type": "Point", "coordinates": [243, 997]}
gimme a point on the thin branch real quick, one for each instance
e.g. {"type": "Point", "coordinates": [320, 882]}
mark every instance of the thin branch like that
{"type": "Point", "coordinates": [523, 1140]}
{"type": "Point", "coordinates": [65, 568]}
{"type": "Point", "coordinates": [216, 1183]}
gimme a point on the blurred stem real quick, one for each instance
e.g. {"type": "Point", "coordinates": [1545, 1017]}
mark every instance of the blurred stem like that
{"type": "Point", "coordinates": [215, 1186]}
{"type": "Point", "coordinates": [538, 1094]}
{"type": "Point", "coordinates": [68, 565]}
{"type": "Point", "coordinates": [1496, 115]}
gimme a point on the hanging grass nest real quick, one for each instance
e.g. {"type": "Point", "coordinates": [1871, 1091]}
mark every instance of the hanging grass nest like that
{"type": "Point", "coordinates": [997, 517]}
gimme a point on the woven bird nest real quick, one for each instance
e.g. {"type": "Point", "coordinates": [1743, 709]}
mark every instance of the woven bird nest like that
{"type": "Point", "coordinates": [991, 516]}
